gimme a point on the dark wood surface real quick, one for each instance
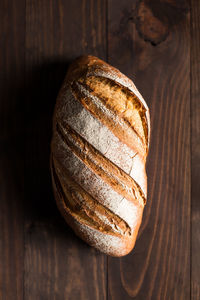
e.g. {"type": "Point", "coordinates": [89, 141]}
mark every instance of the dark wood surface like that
{"type": "Point", "coordinates": [195, 150]}
{"type": "Point", "coordinates": [157, 44]}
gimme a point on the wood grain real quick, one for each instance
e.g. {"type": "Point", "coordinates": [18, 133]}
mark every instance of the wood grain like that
{"type": "Point", "coordinates": [58, 265]}
{"type": "Point", "coordinates": [159, 63]}
{"type": "Point", "coordinates": [153, 42]}
{"type": "Point", "coordinates": [195, 147]}
{"type": "Point", "coordinates": [12, 34]}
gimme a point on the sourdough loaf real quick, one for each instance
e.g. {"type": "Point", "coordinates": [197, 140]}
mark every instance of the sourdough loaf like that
{"type": "Point", "coordinates": [101, 133]}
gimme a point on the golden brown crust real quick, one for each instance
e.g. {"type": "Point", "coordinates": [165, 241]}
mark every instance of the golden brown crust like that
{"type": "Point", "coordinates": [84, 207]}
{"type": "Point", "coordinates": [86, 67]}
{"type": "Point", "coordinates": [110, 97]}
{"type": "Point", "coordinates": [86, 225]}
{"type": "Point", "coordinates": [112, 174]}
{"type": "Point", "coordinates": [125, 133]}
{"type": "Point", "coordinates": [121, 101]}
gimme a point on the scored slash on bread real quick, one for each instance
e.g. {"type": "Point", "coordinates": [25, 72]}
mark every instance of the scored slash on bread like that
{"type": "Point", "coordinates": [84, 207]}
{"type": "Point", "coordinates": [101, 133]}
{"type": "Point", "coordinates": [110, 173]}
{"type": "Point", "coordinates": [117, 107]}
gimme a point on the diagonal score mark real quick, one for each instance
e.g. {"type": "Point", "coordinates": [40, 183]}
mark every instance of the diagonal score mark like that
{"type": "Point", "coordinates": [121, 129]}
{"type": "Point", "coordinates": [85, 208]}
{"type": "Point", "coordinates": [119, 99]}
{"type": "Point", "coordinates": [119, 180]}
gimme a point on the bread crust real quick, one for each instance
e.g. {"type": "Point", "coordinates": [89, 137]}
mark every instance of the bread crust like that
{"type": "Point", "coordinates": [101, 134]}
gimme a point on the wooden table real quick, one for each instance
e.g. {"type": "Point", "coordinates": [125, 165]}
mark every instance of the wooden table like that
{"type": "Point", "coordinates": [157, 44]}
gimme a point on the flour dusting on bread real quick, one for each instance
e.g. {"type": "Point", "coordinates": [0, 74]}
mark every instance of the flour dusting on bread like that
{"type": "Point", "coordinates": [98, 158]}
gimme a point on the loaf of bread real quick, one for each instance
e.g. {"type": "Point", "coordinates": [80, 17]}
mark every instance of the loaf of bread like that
{"type": "Point", "coordinates": [101, 132]}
